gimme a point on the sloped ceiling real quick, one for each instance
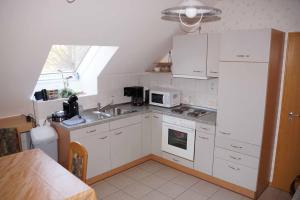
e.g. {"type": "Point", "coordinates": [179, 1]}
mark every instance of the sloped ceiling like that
{"type": "Point", "coordinates": [29, 28]}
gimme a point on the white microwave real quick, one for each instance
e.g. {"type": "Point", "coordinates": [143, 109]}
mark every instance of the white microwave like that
{"type": "Point", "coordinates": [164, 97]}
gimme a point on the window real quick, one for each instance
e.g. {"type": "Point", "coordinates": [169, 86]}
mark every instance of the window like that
{"type": "Point", "coordinates": [64, 59]}
{"type": "Point", "coordinates": [74, 68]}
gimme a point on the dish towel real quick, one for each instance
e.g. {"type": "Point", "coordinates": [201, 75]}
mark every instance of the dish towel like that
{"type": "Point", "coordinates": [74, 121]}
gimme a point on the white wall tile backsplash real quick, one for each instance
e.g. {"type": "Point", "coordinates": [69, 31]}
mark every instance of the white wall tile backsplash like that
{"type": "Point", "coordinates": [111, 87]}
{"type": "Point", "coordinates": [194, 92]}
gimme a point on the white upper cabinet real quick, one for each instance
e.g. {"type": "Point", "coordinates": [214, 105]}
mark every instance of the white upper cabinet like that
{"type": "Point", "coordinates": [189, 56]}
{"type": "Point", "coordinates": [213, 54]}
{"type": "Point", "coordinates": [248, 46]}
{"type": "Point", "coordinates": [241, 101]}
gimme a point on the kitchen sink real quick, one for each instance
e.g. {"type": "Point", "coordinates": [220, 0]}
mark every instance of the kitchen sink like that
{"type": "Point", "coordinates": [114, 112]}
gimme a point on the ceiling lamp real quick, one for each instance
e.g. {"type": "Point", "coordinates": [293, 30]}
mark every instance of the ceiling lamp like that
{"type": "Point", "coordinates": [190, 13]}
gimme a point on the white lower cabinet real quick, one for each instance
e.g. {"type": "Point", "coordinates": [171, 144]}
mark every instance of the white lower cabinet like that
{"type": "Point", "coordinates": [204, 152]}
{"type": "Point", "coordinates": [237, 158]}
{"type": "Point", "coordinates": [234, 173]}
{"type": "Point", "coordinates": [156, 134]}
{"type": "Point", "coordinates": [98, 149]}
{"type": "Point", "coordinates": [146, 134]}
{"type": "Point", "coordinates": [126, 145]}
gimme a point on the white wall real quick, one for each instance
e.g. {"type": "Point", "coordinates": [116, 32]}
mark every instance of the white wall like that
{"type": "Point", "coordinates": [29, 28]}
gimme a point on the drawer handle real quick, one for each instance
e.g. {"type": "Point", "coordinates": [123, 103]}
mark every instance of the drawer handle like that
{"type": "Point", "coordinates": [213, 72]}
{"type": "Point", "coordinates": [235, 158]}
{"type": "Point", "coordinates": [103, 138]}
{"type": "Point", "coordinates": [91, 131]}
{"type": "Point", "coordinates": [242, 56]}
{"type": "Point", "coordinates": [174, 159]}
{"type": "Point", "coordinates": [204, 138]}
{"type": "Point", "coordinates": [206, 129]}
{"type": "Point", "coordinates": [146, 117]}
{"type": "Point", "coordinates": [225, 133]}
{"type": "Point", "coordinates": [197, 71]}
{"type": "Point", "coordinates": [236, 147]}
{"type": "Point", "coordinates": [234, 168]}
{"type": "Point", "coordinates": [119, 133]}
{"type": "Point", "coordinates": [155, 117]}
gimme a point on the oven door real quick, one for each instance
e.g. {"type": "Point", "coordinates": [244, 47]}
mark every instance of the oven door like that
{"type": "Point", "coordinates": [178, 140]}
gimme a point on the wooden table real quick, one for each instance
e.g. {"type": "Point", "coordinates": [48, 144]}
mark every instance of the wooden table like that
{"type": "Point", "coordinates": [34, 175]}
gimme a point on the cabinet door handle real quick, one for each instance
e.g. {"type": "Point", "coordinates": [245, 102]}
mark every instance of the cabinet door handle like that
{"type": "Point", "coordinates": [174, 159]}
{"type": "Point", "coordinates": [146, 117]}
{"type": "Point", "coordinates": [204, 138]}
{"type": "Point", "coordinates": [155, 117]}
{"type": "Point", "coordinates": [203, 128]}
{"type": "Point", "coordinates": [243, 55]}
{"type": "Point", "coordinates": [103, 138]}
{"type": "Point", "coordinates": [236, 147]}
{"type": "Point", "coordinates": [91, 131]}
{"type": "Point", "coordinates": [119, 133]}
{"type": "Point", "coordinates": [234, 168]}
{"type": "Point", "coordinates": [235, 158]}
{"type": "Point", "coordinates": [225, 133]}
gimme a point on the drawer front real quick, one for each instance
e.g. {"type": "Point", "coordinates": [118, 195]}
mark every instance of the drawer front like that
{"type": "Point", "coordinates": [237, 158]}
{"type": "Point", "coordinates": [88, 131]}
{"type": "Point", "coordinates": [237, 174]}
{"type": "Point", "coordinates": [205, 128]}
{"type": "Point", "coordinates": [125, 122]}
{"type": "Point", "coordinates": [178, 160]}
{"type": "Point", "coordinates": [236, 146]}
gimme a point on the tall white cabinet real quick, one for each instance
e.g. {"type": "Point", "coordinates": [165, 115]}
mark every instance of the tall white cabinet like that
{"type": "Point", "coordinates": [249, 79]}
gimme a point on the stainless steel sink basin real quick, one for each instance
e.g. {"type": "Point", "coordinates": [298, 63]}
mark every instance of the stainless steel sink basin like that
{"type": "Point", "coordinates": [93, 115]}
{"type": "Point", "coordinates": [104, 114]}
{"type": "Point", "coordinates": [114, 112]}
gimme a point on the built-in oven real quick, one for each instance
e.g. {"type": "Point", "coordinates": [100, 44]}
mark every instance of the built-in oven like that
{"type": "Point", "coordinates": [178, 137]}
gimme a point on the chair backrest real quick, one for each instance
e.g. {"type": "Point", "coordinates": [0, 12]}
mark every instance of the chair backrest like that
{"type": "Point", "coordinates": [9, 141]}
{"type": "Point", "coordinates": [77, 162]}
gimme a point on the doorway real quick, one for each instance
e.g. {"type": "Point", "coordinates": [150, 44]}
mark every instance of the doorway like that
{"type": "Point", "coordinates": [287, 162]}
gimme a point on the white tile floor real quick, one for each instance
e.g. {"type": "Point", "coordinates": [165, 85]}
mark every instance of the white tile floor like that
{"type": "Point", "coordinates": [154, 181]}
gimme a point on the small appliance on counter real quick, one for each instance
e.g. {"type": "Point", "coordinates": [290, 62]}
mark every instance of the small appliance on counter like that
{"type": "Point", "coordinates": [136, 93]}
{"type": "Point", "coordinates": [164, 97]}
{"type": "Point", "coordinates": [58, 116]}
{"type": "Point", "coordinates": [71, 107]}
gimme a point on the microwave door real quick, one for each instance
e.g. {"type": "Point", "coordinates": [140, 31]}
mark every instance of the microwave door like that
{"type": "Point", "coordinates": [157, 98]}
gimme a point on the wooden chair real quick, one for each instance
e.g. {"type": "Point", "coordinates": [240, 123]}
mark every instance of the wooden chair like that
{"type": "Point", "coordinates": [77, 161]}
{"type": "Point", "coordinates": [9, 141]}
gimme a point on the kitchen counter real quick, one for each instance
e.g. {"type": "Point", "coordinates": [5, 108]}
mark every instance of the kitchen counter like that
{"type": "Point", "coordinates": [91, 118]}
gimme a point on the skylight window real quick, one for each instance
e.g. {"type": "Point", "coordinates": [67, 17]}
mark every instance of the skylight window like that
{"type": "Point", "coordinates": [74, 69]}
{"type": "Point", "coordinates": [64, 59]}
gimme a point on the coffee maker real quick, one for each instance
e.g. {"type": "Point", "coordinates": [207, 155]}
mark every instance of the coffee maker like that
{"type": "Point", "coordinates": [71, 107]}
{"type": "Point", "coordinates": [136, 93]}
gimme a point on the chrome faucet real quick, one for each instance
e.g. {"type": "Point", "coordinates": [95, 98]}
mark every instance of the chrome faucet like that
{"type": "Point", "coordinates": [102, 109]}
